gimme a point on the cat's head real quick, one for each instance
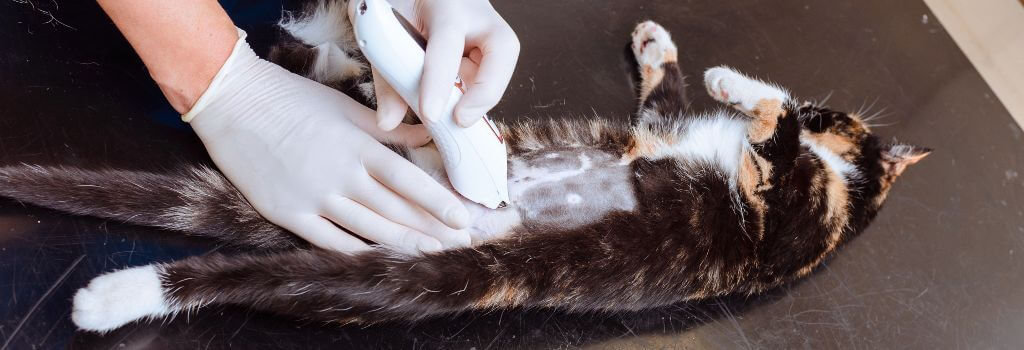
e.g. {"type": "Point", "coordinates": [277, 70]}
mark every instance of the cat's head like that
{"type": "Point", "coordinates": [879, 163]}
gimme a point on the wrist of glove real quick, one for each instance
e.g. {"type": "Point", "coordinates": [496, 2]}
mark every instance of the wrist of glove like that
{"type": "Point", "coordinates": [308, 159]}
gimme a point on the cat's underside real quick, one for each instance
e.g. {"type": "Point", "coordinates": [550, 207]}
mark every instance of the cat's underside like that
{"type": "Point", "coordinates": [606, 216]}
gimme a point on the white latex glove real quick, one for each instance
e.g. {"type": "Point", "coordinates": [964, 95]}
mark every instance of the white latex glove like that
{"type": "Point", "coordinates": [306, 155]}
{"type": "Point", "coordinates": [454, 29]}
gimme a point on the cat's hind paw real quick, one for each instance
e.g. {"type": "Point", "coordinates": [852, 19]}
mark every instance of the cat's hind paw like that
{"type": "Point", "coordinates": [733, 88]}
{"type": "Point", "coordinates": [652, 45]}
{"type": "Point", "coordinates": [653, 48]}
{"type": "Point", "coordinates": [117, 298]}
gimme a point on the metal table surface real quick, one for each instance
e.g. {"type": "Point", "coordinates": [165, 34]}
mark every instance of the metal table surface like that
{"type": "Point", "coordinates": [940, 268]}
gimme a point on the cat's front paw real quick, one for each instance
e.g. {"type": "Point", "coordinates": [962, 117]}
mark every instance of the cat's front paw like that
{"type": "Point", "coordinates": [730, 87]}
{"type": "Point", "coordinates": [652, 45]}
{"type": "Point", "coordinates": [117, 298]}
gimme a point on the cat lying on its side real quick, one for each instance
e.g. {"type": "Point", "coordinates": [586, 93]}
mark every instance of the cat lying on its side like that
{"type": "Point", "coordinates": [669, 207]}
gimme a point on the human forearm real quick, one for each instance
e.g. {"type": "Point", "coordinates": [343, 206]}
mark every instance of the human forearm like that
{"type": "Point", "coordinates": [183, 43]}
{"type": "Point", "coordinates": [307, 157]}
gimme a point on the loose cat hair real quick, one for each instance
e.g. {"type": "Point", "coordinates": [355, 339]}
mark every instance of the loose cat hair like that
{"type": "Point", "coordinates": [606, 215]}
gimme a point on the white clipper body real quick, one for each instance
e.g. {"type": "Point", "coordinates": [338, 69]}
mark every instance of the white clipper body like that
{"type": "Point", "coordinates": [474, 157]}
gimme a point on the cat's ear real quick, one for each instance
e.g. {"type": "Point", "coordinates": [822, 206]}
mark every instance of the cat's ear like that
{"type": "Point", "coordinates": [896, 157]}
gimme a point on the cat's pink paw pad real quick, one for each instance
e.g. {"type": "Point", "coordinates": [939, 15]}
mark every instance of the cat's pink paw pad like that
{"type": "Point", "coordinates": [652, 45]}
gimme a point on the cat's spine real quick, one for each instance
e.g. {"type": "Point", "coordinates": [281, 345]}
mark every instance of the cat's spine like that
{"type": "Point", "coordinates": [197, 201]}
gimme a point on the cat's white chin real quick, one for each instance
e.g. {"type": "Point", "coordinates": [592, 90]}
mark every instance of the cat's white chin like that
{"type": "Point", "coordinates": [118, 298]}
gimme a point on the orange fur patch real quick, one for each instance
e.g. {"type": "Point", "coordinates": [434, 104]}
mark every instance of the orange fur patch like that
{"type": "Point", "coordinates": [651, 77]}
{"type": "Point", "coordinates": [837, 214]}
{"type": "Point", "coordinates": [766, 116]}
{"type": "Point", "coordinates": [750, 177]}
{"type": "Point", "coordinates": [766, 172]}
{"type": "Point", "coordinates": [838, 201]}
{"type": "Point", "coordinates": [503, 295]}
{"type": "Point", "coordinates": [838, 144]}
{"type": "Point", "coordinates": [671, 55]}
{"type": "Point", "coordinates": [644, 144]}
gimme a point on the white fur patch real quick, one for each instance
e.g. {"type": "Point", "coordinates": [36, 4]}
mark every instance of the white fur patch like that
{"type": "Point", "coordinates": [368, 91]}
{"type": "Point", "coordinates": [327, 28]}
{"type": "Point", "coordinates": [733, 88]}
{"type": "Point", "coordinates": [846, 170]}
{"type": "Point", "coordinates": [332, 65]}
{"type": "Point", "coordinates": [652, 44]}
{"type": "Point", "coordinates": [117, 298]}
{"type": "Point", "coordinates": [717, 139]}
{"type": "Point", "coordinates": [328, 23]}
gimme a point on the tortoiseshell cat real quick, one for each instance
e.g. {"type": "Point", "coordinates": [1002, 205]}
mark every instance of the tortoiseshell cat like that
{"type": "Point", "coordinates": [606, 215]}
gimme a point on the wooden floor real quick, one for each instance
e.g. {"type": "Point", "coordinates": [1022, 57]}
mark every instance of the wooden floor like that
{"type": "Point", "coordinates": [991, 34]}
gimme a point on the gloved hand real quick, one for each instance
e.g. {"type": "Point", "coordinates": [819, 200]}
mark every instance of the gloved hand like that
{"type": "Point", "coordinates": [454, 28]}
{"type": "Point", "coordinates": [306, 155]}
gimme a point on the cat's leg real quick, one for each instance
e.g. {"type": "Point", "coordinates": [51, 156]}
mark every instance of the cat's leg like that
{"type": "Point", "coordinates": [764, 103]}
{"type": "Point", "coordinates": [773, 133]}
{"type": "Point", "coordinates": [536, 270]}
{"type": "Point", "coordinates": [662, 85]}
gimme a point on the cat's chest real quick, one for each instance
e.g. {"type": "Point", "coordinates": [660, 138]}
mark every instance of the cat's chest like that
{"type": "Point", "coordinates": [717, 141]}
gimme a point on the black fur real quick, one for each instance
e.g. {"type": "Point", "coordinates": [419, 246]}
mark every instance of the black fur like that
{"type": "Point", "coordinates": [198, 201]}
{"type": "Point", "coordinates": [697, 232]}
{"type": "Point", "coordinates": [669, 97]}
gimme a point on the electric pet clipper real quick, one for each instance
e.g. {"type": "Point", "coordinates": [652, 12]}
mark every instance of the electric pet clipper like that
{"type": "Point", "coordinates": [474, 157]}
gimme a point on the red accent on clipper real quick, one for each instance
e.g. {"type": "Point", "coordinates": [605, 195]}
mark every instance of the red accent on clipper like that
{"type": "Point", "coordinates": [493, 129]}
{"type": "Point", "coordinates": [458, 84]}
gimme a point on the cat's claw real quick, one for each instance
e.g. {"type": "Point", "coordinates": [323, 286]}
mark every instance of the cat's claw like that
{"type": "Point", "coordinates": [652, 45]}
{"type": "Point", "coordinates": [732, 88]}
{"type": "Point", "coordinates": [117, 298]}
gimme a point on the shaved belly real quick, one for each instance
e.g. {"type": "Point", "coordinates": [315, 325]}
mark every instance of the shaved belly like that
{"type": "Point", "coordinates": [551, 189]}
{"type": "Point", "coordinates": [570, 187]}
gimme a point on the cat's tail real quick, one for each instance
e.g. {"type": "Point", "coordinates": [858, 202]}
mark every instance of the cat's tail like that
{"type": "Point", "coordinates": [196, 200]}
{"type": "Point", "coordinates": [576, 271]}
